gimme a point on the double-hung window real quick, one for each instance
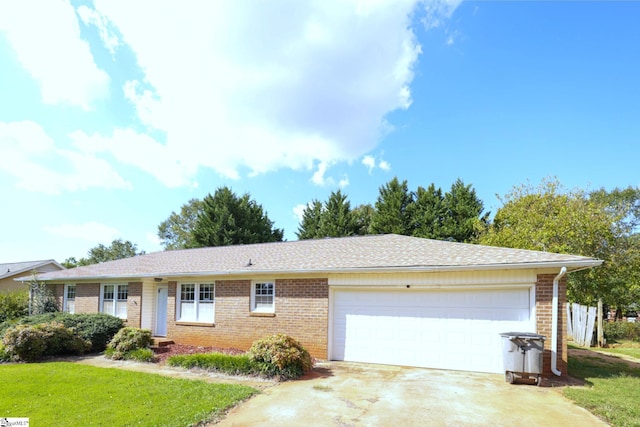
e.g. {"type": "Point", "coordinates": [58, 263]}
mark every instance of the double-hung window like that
{"type": "Point", "coordinates": [114, 300]}
{"type": "Point", "coordinates": [197, 302]}
{"type": "Point", "coordinates": [69, 299]}
{"type": "Point", "coordinates": [263, 297]}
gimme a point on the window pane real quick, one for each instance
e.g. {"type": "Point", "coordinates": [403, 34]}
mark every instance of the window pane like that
{"type": "Point", "coordinates": [107, 307]}
{"type": "Point", "coordinates": [206, 292]}
{"type": "Point", "coordinates": [263, 296]}
{"type": "Point", "coordinates": [121, 309]}
{"type": "Point", "coordinates": [187, 292]}
{"type": "Point", "coordinates": [123, 292]}
{"type": "Point", "coordinates": [205, 312]}
{"type": "Point", "coordinates": [71, 292]}
{"type": "Point", "coordinates": [188, 311]}
{"type": "Point", "coordinates": [108, 292]}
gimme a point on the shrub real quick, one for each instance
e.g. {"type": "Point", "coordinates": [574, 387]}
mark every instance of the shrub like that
{"type": "Point", "coordinates": [24, 342]}
{"type": "Point", "coordinates": [622, 331]}
{"type": "Point", "coordinates": [98, 328]}
{"type": "Point", "coordinates": [32, 342]}
{"type": "Point", "coordinates": [229, 364]}
{"type": "Point", "coordinates": [128, 339]}
{"type": "Point", "coordinates": [4, 356]}
{"type": "Point", "coordinates": [280, 355]}
{"type": "Point", "coordinates": [13, 305]}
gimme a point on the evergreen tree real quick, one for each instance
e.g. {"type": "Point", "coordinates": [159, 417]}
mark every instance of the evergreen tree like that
{"type": "Point", "coordinates": [309, 227]}
{"type": "Point", "coordinates": [362, 215]}
{"type": "Point", "coordinates": [428, 213]}
{"type": "Point", "coordinates": [227, 219]}
{"type": "Point", "coordinates": [336, 219]}
{"type": "Point", "coordinates": [393, 209]}
{"type": "Point", "coordinates": [464, 208]}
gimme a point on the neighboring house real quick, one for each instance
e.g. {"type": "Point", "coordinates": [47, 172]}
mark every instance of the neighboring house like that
{"type": "Point", "coordinates": [386, 299]}
{"type": "Point", "coordinates": [12, 270]}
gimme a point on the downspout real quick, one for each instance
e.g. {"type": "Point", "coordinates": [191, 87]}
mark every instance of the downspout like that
{"type": "Point", "coordinates": [554, 323]}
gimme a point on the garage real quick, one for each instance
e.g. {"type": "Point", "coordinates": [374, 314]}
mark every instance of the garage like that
{"type": "Point", "coordinates": [452, 329]}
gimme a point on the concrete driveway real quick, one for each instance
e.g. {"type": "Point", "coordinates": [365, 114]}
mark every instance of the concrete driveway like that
{"type": "Point", "coordinates": [349, 394]}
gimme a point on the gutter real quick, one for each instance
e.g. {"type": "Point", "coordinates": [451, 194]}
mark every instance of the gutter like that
{"type": "Point", "coordinates": [575, 265]}
{"type": "Point", "coordinates": [554, 323]}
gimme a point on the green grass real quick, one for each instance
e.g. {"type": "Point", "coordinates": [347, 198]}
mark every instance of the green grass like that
{"type": "Point", "coordinates": [68, 394]}
{"type": "Point", "coordinates": [630, 349]}
{"type": "Point", "coordinates": [612, 389]}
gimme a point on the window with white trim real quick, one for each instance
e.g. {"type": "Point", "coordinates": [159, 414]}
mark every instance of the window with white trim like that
{"type": "Point", "coordinates": [263, 297]}
{"type": "Point", "coordinates": [113, 300]}
{"type": "Point", "coordinates": [69, 305]}
{"type": "Point", "coordinates": [196, 302]}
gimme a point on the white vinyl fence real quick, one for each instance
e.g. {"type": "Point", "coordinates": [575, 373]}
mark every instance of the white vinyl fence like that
{"type": "Point", "coordinates": [580, 322]}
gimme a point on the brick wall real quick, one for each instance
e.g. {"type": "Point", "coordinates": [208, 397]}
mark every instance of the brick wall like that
{"type": "Point", "coordinates": [134, 304]}
{"type": "Point", "coordinates": [301, 311]}
{"type": "Point", "coordinates": [88, 298]}
{"type": "Point", "coordinates": [544, 297]}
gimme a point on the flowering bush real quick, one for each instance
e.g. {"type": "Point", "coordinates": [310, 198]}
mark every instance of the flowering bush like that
{"type": "Point", "coordinates": [32, 342]}
{"type": "Point", "coordinates": [281, 355]}
{"type": "Point", "coordinates": [128, 340]}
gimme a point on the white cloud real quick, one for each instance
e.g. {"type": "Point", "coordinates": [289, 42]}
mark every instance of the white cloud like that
{"type": "Point", "coordinates": [89, 231]}
{"type": "Point", "coordinates": [264, 86]}
{"type": "Point", "coordinates": [438, 11]}
{"type": "Point", "coordinates": [318, 177]}
{"type": "Point", "coordinates": [46, 39]}
{"type": "Point", "coordinates": [107, 35]}
{"type": "Point", "coordinates": [25, 148]}
{"type": "Point", "coordinates": [344, 182]}
{"type": "Point", "coordinates": [298, 211]}
{"type": "Point", "coordinates": [132, 148]}
{"type": "Point", "coordinates": [369, 162]}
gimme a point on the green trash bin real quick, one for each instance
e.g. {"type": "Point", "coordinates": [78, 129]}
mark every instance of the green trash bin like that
{"type": "Point", "coordinates": [522, 356]}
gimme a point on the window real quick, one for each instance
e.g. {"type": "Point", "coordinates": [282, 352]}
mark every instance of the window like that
{"type": "Point", "coordinates": [69, 299]}
{"type": "Point", "coordinates": [263, 297]}
{"type": "Point", "coordinates": [197, 301]}
{"type": "Point", "coordinates": [114, 300]}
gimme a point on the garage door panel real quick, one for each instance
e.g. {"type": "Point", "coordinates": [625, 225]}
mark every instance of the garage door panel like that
{"type": "Point", "coordinates": [447, 330]}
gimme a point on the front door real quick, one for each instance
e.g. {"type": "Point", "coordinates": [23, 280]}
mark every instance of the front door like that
{"type": "Point", "coordinates": [161, 311]}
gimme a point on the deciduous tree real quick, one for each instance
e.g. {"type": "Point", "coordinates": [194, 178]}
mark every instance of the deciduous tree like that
{"type": "Point", "coordinates": [553, 219]}
{"type": "Point", "coordinates": [176, 232]}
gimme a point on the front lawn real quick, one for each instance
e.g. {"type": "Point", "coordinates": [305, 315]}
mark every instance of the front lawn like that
{"type": "Point", "coordinates": [68, 394]}
{"type": "Point", "coordinates": [612, 389]}
{"type": "Point", "coordinates": [627, 348]}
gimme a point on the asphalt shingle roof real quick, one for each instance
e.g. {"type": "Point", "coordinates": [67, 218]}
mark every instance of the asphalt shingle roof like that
{"type": "Point", "coordinates": [8, 269]}
{"type": "Point", "coordinates": [387, 251]}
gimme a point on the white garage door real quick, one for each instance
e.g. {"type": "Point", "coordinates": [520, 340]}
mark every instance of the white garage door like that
{"type": "Point", "coordinates": [435, 329]}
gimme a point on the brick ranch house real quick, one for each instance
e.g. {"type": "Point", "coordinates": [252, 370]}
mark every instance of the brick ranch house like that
{"type": "Point", "coordinates": [385, 299]}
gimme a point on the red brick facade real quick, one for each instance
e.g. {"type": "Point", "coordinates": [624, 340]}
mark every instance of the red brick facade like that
{"type": "Point", "coordinates": [301, 311]}
{"type": "Point", "coordinates": [544, 298]}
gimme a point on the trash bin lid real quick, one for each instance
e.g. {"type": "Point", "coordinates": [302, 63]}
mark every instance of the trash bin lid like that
{"type": "Point", "coordinates": [523, 335]}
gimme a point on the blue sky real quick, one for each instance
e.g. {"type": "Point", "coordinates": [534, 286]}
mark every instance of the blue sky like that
{"type": "Point", "coordinates": [113, 114]}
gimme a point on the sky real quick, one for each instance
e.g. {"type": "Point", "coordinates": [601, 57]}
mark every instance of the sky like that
{"type": "Point", "coordinates": [113, 113]}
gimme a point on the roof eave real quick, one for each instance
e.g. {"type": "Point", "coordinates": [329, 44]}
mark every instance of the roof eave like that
{"type": "Point", "coordinates": [572, 265]}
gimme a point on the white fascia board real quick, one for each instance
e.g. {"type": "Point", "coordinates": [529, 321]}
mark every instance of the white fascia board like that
{"type": "Point", "coordinates": [572, 265]}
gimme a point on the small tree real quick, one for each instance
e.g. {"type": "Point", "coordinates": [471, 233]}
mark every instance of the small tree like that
{"type": "Point", "coordinates": [41, 300]}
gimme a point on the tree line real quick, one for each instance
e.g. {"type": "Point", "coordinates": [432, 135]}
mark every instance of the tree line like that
{"type": "Point", "coordinates": [548, 217]}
